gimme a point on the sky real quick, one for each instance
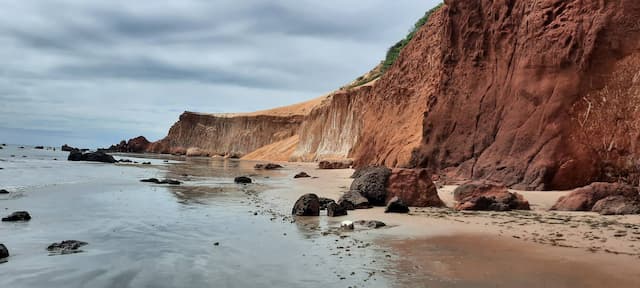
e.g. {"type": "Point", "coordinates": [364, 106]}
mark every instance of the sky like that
{"type": "Point", "coordinates": [91, 73]}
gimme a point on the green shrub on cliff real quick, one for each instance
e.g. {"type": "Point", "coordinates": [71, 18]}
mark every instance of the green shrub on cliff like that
{"type": "Point", "coordinates": [394, 51]}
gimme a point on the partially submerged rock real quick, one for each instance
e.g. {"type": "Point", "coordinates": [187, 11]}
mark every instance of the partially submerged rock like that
{"type": "Point", "coordinates": [301, 175]}
{"type": "Point", "coordinates": [68, 148]}
{"type": "Point", "coordinates": [38, 147]}
{"type": "Point", "coordinates": [164, 181]}
{"type": "Point", "coordinates": [66, 247]}
{"type": "Point", "coordinates": [17, 216]}
{"type": "Point", "coordinates": [2, 191]}
{"type": "Point", "coordinates": [371, 183]}
{"type": "Point", "coordinates": [585, 198]}
{"type": "Point", "coordinates": [488, 196]}
{"type": "Point", "coordinates": [99, 156]}
{"type": "Point", "coordinates": [307, 205]}
{"type": "Point", "coordinates": [335, 210]}
{"type": "Point", "coordinates": [268, 166]}
{"type": "Point", "coordinates": [342, 164]}
{"type": "Point", "coordinates": [352, 200]}
{"type": "Point", "coordinates": [414, 186]}
{"type": "Point", "coordinates": [4, 252]}
{"type": "Point", "coordinates": [396, 205]}
{"type": "Point", "coordinates": [242, 180]}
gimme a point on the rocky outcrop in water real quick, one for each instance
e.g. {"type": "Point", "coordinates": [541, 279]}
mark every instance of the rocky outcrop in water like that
{"type": "Point", "coordinates": [134, 145]}
{"type": "Point", "coordinates": [242, 180]}
{"type": "Point", "coordinates": [66, 247]}
{"type": "Point", "coordinates": [17, 216]}
{"type": "Point", "coordinates": [98, 156]}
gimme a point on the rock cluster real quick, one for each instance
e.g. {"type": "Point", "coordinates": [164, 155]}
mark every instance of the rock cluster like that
{"type": "Point", "coordinates": [164, 181]}
{"type": "Point", "coordinates": [268, 166]}
{"type": "Point", "coordinates": [17, 216]}
{"type": "Point", "coordinates": [345, 164]}
{"type": "Point", "coordinates": [98, 156]}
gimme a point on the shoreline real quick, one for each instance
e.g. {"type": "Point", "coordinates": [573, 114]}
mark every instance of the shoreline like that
{"type": "Point", "coordinates": [564, 239]}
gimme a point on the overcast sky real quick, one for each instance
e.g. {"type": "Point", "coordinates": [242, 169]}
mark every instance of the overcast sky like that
{"type": "Point", "coordinates": [90, 73]}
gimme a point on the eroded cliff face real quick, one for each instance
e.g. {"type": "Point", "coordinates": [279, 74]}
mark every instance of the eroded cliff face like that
{"type": "Point", "coordinates": [228, 135]}
{"type": "Point", "coordinates": [536, 94]}
{"type": "Point", "coordinates": [528, 91]}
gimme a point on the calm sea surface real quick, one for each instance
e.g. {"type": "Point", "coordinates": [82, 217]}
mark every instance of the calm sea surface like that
{"type": "Point", "coordinates": [147, 235]}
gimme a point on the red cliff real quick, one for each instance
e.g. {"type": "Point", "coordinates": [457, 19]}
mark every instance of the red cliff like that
{"type": "Point", "coordinates": [535, 94]}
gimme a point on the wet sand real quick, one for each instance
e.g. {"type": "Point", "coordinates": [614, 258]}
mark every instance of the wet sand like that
{"type": "Point", "coordinates": [446, 248]}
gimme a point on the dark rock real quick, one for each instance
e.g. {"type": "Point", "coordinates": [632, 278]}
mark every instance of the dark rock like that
{"type": "Point", "coordinates": [68, 148]}
{"type": "Point", "coordinates": [269, 166]}
{"type": "Point", "coordinates": [373, 224]}
{"type": "Point", "coordinates": [135, 145]}
{"type": "Point", "coordinates": [21, 147]}
{"type": "Point", "coordinates": [346, 164]}
{"type": "Point", "coordinates": [372, 184]}
{"type": "Point", "coordinates": [324, 202]}
{"type": "Point", "coordinates": [352, 200]}
{"type": "Point", "coordinates": [125, 161]}
{"type": "Point", "coordinates": [146, 163]}
{"type": "Point", "coordinates": [301, 175]}
{"type": "Point", "coordinates": [4, 252]}
{"type": "Point", "coordinates": [17, 216]}
{"type": "Point", "coordinates": [335, 210]}
{"type": "Point", "coordinates": [242, 180]}
{"type": "Point", "coordinates": [165, 181]}
{"type": "Point", "coordinates": [396, 206]}
{"type": "Point", "coordinates": [39, 147]}
{"type": "Point", "coordinates": [91, 157]}
{"type": "Point", "coordinates": [2, 191]}
{"type": "Point", "coordinates": [150, 180]}
{"type": "Point", "coordinates": [488, 196]}
{"type": "Point", "coordinates": [66, 247]}
{"type": "Point", "coordinates": [617, 205]}
{"type": "Point", "coordinates": [307, 205]}
{"type": "Point", "coordinates": [170, 182]}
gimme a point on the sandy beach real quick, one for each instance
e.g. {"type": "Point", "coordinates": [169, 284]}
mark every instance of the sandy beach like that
{"type": "Point", "coordinates": [446, 248]}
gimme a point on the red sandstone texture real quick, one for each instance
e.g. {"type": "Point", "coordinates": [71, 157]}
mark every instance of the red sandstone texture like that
{"type": "Point", "coordinates": [487, 195]}
{"type": "Point", "coordinates": [538, 95]}
{"type": "Point", "coordinates": [414, 187]}
{"type": "Point", "coordinates": [585, 198]}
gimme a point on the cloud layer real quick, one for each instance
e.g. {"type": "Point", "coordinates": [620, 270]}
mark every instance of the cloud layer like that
{"type": "Point", "coordinates": [93, 72]}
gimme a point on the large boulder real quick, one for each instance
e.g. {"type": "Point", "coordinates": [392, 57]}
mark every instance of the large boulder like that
{"type": "Point", "coordinates": [4, 252]}
{"type": "Point", "coordinates": [335, 210]}
{"type": "Point", "coordinates": [584, 198]}
{"type": "Point", "coordinates": [488, 196]}
{"type": "Point", "coordinates": [352, 200]}
{"type": "Point", "coordinates": [17, 216]}
{"type": "Point", "coordinates": [68, 148]}
{"type": "Point", "coordinates": [414, 187]}
{"type": "Point", "coordinates": [343, 164]}
{"type": "Point", "coordinates": [242, 180]}
{"type": "Point", "coordinates": [396, 205]}
{"type": "Point", "coordinates": [617, 205]}
{"type": "Point", "coordinates": [307, 205]}
{"type": "Point", "coordinates": [134, 145]}
{"type": "Point", "coordinates": [98, 156]}
{"type": "Point", "coordinates": [371, 183]}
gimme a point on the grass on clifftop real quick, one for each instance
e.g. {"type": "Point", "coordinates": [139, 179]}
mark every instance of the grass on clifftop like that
{"type": "Point", "coordinates": [394, 51]}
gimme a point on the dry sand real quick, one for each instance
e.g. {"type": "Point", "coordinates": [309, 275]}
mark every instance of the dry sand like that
{"type": "Point", "coordinates": [565, 249]}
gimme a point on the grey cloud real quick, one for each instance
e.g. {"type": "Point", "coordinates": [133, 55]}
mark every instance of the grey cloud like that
{"type": "Point", "coordinates": [120, 68]}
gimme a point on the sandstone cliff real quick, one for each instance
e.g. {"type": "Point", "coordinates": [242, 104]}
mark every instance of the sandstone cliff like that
{"type": "Point", "coordinates": [536, 94]}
